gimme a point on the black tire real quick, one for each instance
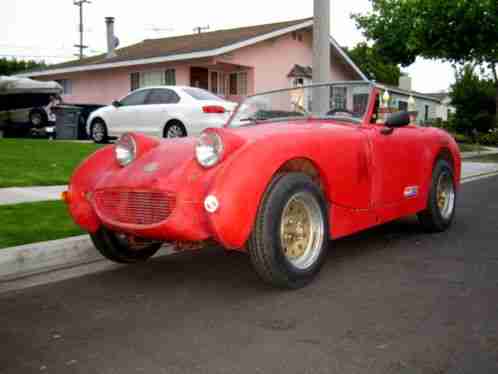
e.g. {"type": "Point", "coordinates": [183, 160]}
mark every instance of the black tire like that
{"type": "Point", "coordinates": [37, 118]}
{"type": "Point", "coordinates": [99, 137]}
{"type": "Point", "coordinates": [265, 244]}
{"type": "Point", "coordinates": [434, 218]}
{"type": "Point", "coordinates": [116, 249]}
{"type": "Point", "coordinates": [175, 128]}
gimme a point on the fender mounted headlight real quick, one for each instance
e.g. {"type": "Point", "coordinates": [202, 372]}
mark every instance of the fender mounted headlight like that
{"type": "Point", "coordinates": [125, 150]}
{"type": "Point", "coordinates": [209, 149]}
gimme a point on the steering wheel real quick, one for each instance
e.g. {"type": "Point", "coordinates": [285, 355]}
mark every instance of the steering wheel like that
{"type": "Point", "coordinates": [335, 111]}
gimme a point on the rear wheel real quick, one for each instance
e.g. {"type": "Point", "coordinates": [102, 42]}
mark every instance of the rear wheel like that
{"type": "Point", "coordinates": [98, 131]}
{"type": "Point", "coordinates": [440, 211]}
{"type": "Point", "coordinates": [288, 243]}
{"type": "Point", "coordinates": [37, 118]}
{"type": "Point", "coordinates": [175, 130]}
{"type": "Point", "coordinates": [122, 248]}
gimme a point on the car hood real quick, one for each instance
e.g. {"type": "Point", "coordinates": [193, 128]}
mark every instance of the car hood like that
{"type": "Point", "coordinates": [152, 168]}
{"type": "Point", "coordinates": [171, 157]}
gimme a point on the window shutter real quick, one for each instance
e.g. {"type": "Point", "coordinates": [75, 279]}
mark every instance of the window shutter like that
{"type": "Point", "coordinates": [170, 77]}
{"type": "Point", "coordinates": [135, 81]}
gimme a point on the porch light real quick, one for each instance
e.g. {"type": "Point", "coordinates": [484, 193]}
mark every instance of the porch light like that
{"type": "Point", "coordinates": [386, 98]}
{"type": "Point", "coordinates": [412, 106]}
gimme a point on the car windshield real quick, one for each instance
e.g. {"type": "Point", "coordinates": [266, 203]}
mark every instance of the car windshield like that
{"type": "Point", "coordinates": [345, 101]}
{"type": "Point", "coordinates": [200, 94]}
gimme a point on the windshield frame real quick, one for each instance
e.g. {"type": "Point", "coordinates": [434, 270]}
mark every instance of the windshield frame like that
{"type": "Point", "coordinates": [310, 115]}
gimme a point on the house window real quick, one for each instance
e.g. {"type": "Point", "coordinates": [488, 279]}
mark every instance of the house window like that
{"type": "Point", "coordinates": [360, 103]}
{"type": "Point", "coordinates": [402, 106]}
{"type": "Point", "coordinates": [339, 97]}
{"type": "Point", "coordinates": [153, 78]}
{"type": "Point", "coordinates": [170, 77]}
{"type": "Point", "coordinates": [67, 86]}
{"type": "Point", "coordinates": [214, 81]}
{"type": "Point", "coordinates": [238, 83]}
{"type": "Point", "coordinates": [426, 115]}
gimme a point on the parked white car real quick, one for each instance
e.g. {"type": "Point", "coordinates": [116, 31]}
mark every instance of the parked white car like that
{"type": "Point", "coordinates": [163, 111]}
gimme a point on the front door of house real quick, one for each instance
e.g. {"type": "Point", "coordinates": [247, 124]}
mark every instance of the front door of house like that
{"type": "Point", "coordinates": [199, 77]}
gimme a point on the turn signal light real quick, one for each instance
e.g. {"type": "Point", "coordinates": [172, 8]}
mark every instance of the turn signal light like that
{"type": "Point", "coordinates": [66, 197]}
{"type": "Point", "coordinates": [216, 109]}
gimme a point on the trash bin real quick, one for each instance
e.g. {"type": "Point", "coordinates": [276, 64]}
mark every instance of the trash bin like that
{"type": "Point", "coordinates": [67, 122]}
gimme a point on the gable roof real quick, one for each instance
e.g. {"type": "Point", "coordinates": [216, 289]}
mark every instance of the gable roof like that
{"type": "Point", "coordinates": [439, 95]}
{"type": "Point", "coordinates": [299, 71]}
{"type": "Point", "coordinates": [401, 91]}
{"type": "Point", "coordinates": [186, 47]}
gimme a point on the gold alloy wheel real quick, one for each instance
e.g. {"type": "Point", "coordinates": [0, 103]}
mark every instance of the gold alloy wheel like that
{"type": "Point", "coordinates": [302, 230]}
{"type": "Point", "coordinates": [445, 195]}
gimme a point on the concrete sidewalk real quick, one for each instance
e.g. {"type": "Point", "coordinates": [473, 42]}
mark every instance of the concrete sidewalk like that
{"type": "Point", "coordinates": [16, 195]}
{"type": "Point", "coordinates": [484, 152]}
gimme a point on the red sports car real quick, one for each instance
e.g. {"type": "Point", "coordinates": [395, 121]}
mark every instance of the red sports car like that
{"type": "Point", "coordinates": [286, 174]}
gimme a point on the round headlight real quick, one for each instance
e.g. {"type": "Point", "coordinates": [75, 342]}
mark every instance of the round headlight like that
{"type": "Point", "coordinates": [209, 149]}
{"type": "Point", "coordinates": [126, 150]}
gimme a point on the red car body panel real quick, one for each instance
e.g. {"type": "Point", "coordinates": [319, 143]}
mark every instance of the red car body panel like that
{"type": "Point", "coordinates": [365, 176]}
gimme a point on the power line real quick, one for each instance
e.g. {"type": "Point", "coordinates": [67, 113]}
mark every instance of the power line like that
{"type": "Point", "coordinates": [81, 46]}
{"type": "Point", "coordinates": [200, 29]}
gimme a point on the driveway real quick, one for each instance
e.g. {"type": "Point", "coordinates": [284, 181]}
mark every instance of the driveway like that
{"type": "Point", "coordinates": [390, 300]}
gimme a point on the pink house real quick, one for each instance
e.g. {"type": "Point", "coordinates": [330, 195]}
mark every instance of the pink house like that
{"type": "Point", "coordinates": [231, 63]}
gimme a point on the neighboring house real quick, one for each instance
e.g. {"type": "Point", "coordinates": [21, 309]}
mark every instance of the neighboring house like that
{"type": "Point", "coordinates": [445, 109]}
{"type": "Point", "coordinates": [426, 106]}
{"type": "Point", "coordinates": [231, 63]}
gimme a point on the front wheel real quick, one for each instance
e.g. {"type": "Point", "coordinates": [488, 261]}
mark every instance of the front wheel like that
{"type": "Point", "coordinates": [288, 243]}
{"type": "Point", "coordinates": [122, 248]}
{"type": "Point", "coordinates": [440, 211]}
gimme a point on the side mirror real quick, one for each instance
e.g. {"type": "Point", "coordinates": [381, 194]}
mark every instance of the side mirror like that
{"type": "Point", "coordinates": [116, 104]}
{"type": "Point", "coordinates": [398, 119]}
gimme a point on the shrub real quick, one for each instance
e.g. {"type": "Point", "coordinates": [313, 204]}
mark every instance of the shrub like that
{"type": "Point", "coordinates": [490, 138]}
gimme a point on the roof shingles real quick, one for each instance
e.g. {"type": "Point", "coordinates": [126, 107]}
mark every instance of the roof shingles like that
{"type": "Point", "coordinates": [183, 44]}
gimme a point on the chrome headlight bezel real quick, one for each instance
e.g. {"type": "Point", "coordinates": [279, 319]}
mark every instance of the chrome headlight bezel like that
{"type": "Point", "coordinates": [209, 149]}
{"type": "Point", "coordinates": [125, 150]}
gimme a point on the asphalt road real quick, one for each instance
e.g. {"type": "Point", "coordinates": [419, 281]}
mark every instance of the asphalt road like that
{"type": "Point", "coordinates": [390, 300]}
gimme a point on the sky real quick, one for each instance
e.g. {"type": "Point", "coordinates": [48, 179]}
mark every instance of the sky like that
{"type": "Point", "coordinates": [48, 29]}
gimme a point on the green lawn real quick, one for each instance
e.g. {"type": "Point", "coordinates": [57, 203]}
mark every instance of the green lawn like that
{"type": "Point", "coordinates": [464, 147]}
{"type": "Point", "coordinates": [485, 158]}
{"type": "Point", "coordinates": [28, 162]}
{"type": "Point", "coordinates": [35, 222]}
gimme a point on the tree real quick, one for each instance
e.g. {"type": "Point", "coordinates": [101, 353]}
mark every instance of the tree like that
{"type": "Point", "coordinates": [459, 31]}
{"type": "Point", "coordinates": [13, 66]}
{"type": "Point", "coordinates": [376, 66]}
{"type": "Point", "coordinates": [473, 98]}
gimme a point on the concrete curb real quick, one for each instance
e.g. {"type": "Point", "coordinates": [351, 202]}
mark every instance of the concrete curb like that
{"type": "Point", "coordinates": [470, 178]}
{"type": "Point", "coordinates": [25, 260]}
{"type": "Point", "coordinates": [33, 259]}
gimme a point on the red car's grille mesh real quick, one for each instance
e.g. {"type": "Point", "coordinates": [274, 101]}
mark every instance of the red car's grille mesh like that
{"type": "Point", "coordinates": [134, 207]}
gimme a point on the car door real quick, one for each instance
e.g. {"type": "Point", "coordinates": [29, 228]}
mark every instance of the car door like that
{"type": "Point", "coordinates": [397, 162]}
{"type": "Point", "coordinates": [123, 118]}
{"type": "Point", "coordinates": [160, 102]}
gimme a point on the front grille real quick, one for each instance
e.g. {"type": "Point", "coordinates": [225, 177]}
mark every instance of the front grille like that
{"type": "Point", "coordinates": [133, 206]}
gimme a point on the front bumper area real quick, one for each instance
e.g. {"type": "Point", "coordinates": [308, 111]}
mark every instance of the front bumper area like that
{"type": "Point", "coordinates": [151, 214]}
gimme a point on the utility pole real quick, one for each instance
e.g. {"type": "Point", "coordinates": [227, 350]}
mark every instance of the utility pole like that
{"type": "Point", "coordinates": [321, 55]}
{"type": "Point", "coordinates": [200, 29]}
{"type": "Point", "coordinates": [81, 46]}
